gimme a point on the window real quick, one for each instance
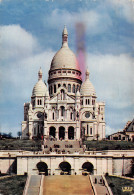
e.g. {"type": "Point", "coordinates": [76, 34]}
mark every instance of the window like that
{"type": "Point", "coordinates": [62, 110]}
{"type": "Point", "coordinates": [54, 88]}
{"type": "Point", "coordinates": [54, 72]}
{"type": "Point", "coordinates": [77, 88]}
{"type": "Point", "coordinates": [64, 85]}
{"type": "Point", "coordinates": [93, 102]}
{"type": "Point", "coordinates": [40, 102]}
{"type": "Point", "coordinates": [34, 131]}
{"type": "Point", "coordinates": [71, 115]}
{"type": "Point", "coordinates": [64, 71]}
{"type": "Point", "coordinates": [73, 72]}
{"type": "Point", "coordinates": [81, 102]}
{"type": "Point", "coordinates": [34, 103]}
{"type": "Point", "coordinates": [91, 131]}
{"type": "Point", "coordinates": [73, 88]}
{"type": "Point", "coordinates": [87, 129]}
{"type": "Point", "coordinates": [59, 71]}
{"type": "Point", "coordinates": [69, 71]}
{"type": "Point", "coordinates": [62, 94]}
{"type": "Point", "coordinates": [59, 85]}
{"type": "Point", "coordinates": [53, 115]}
{"type": "Point", "coordinates": [88, 101]}
{"type": "Point", "coordinates": [69, 88]}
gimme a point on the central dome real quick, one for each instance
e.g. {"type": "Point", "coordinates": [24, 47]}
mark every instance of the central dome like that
{"type": "Point", "coordinates": [64, 58]}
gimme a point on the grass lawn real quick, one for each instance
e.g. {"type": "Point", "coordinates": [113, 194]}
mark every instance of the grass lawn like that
{"type": "Point", "coordinates": [17, 144]}
{"type": "Point", "coordinates": [116, 184]}
{"type": "Point", "coordinates": [12, 185]}
{"type": "Point", "coordinates": [109, 145]}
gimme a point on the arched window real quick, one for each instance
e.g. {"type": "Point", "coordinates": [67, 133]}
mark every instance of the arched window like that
{"type": "Point", "coordinates": [69, 87]}
{"type": "Point", "coordinates": [54, 88]}
{"type": "Point", "coordinates": [40, 102]}
{"type": "Point", "coordinates": [73, 88]}
{"type": "Point", "coordinates": [87, 129]}
{"type": "Point", "coordinates": [91, 131]}
{"type": "Point", "coordinates": [53, 115]}
{"type": "Point", "coordinates": [62, 94]}
{"type": "Point", "coordinates": [71, 115]}
{"type": "Point", "coordinates": [51, 89]}
{"type": "Point", "coordinates": [33, 102]}
{"type": "Point", "coordinates": [77, 88]}
{"type": "Point", "coordinates": [81, 102]}
{"type": "Point", "coordinates": [64, 85]}
{"type": "Point", "coordinates": [59, 85]}
{"type": "Point", "coordinates": [62, 110]}
{"type": "Point", "coordinates": [88, 101]}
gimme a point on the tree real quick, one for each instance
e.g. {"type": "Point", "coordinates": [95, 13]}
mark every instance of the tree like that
{"type": "Point", "coordinates": [19, 133]}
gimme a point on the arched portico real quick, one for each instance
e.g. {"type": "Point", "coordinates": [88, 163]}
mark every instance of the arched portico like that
{"type": "Point", "coordinates": [52, 131]}
{"type": "Point", "coordinates": [65, 168]}
{"type": "Point", "coordinates": [42, 168]}
{"type": "Point", "coordinates": [61, 132]}
{"type": "Point", "coordinates": [71, 132]}
{"type": "Point", "coordinates": [88, 167]}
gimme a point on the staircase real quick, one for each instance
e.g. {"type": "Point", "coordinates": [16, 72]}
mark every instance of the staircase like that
{"type": "Point", "coordinates": [63, 146]}
{"type": "Point", "coordinates": [67, 185]}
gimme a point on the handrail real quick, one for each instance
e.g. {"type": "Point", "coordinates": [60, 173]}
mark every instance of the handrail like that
{"type": "Point", "coordinates": [92, 184]}
{"type": "Point", "coordinates": [107, 186]}
{"type": "Point", "coordinates": [26, 185]}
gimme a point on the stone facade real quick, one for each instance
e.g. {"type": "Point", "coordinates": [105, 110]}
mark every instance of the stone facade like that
{"type": "Point", "coordinates": [101, 162]}
{"type": "Point", "coordinates": [67, 108]}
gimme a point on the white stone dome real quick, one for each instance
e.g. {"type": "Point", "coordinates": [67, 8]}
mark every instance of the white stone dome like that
{"type": "Point", "coordinates": [65, 59]}
{"type": "Point", "coordinates": [40, 88]}
{"type": "Point", "coordinates": [87, 87]}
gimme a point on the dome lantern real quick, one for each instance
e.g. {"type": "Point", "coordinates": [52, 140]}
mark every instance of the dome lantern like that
{"type": "Point", "coordinates": [64, 37]}
{"type": "Point", "coordinates": [40, 74]}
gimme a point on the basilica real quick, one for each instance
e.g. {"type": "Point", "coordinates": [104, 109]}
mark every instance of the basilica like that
{"type": "Point", "coordinates": [66, 109]}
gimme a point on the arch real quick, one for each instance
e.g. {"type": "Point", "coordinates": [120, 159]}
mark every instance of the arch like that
{"type": "Point", "coordinates": [62, 110]}
{"type": "Point", "coordinates": [73, 90]}
{"type": "Point", "coordinates": [69, 87]}
{"type": "Point", "coordinates": [42, 168]}
{"type": "Point", "coordinates": [61, 132]}
{"type": "Point", "coordinates": [65, 168]}
{"type": "Point", "coordinates": [53, 115]}
{"type": "Point", "coordinates": [87, 166]}
{"type": "Point", "coordinates": [70, 132]}
{"type": "Point", "coordinates": [52, 131]}
{"type": "Point", "coordinates": [62, 94]}
{"type": "Point", "coordinates": [54, 88]}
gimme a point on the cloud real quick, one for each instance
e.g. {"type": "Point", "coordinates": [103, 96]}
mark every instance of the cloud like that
{"type": "Point", "coordinates": [94, 21]}
{"type": "Point", "coordinates": [16, 42]}
{"type": "Point", "coordinates": [113, 78]}
{"type": "Point", "coordinates": [124, 9]}
{"type": "Point", "coordinates": [21, 60]}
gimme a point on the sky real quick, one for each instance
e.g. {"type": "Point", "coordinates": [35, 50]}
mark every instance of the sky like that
{"type": "Point", "coordinates": [30, 35]}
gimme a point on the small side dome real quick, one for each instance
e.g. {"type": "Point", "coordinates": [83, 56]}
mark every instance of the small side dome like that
{"type": "Point", "coordinates": [87, 87]}
{"type": "Point", "coordinates": [40, 88]}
